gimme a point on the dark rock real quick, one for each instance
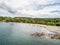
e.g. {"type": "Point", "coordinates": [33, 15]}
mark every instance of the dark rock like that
{"type": "Point", "coordinates": [38, 34]}
{"type": "Point", "coordinates": [56, 36]}
{"type": "Point", "coordinates": [51, 36]}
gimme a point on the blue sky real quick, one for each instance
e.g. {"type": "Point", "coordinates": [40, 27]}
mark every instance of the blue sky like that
{"type": "Point", "coordinates": [30, 8]}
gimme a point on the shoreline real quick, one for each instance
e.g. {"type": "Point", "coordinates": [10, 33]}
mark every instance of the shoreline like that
{"type": "Point", "coordinates": [48, 27]}
{"type": "Point", "coordinates": [51, 28]}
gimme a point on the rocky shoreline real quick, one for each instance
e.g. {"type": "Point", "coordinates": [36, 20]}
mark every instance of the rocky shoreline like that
{"type": "Point", "coordinates": [53, 32]}
{"type": "Point", "coordinates": [50, 36]}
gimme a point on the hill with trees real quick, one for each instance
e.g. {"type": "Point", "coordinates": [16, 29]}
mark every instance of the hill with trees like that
{"type": "Point", "coordinates": [45, 21]}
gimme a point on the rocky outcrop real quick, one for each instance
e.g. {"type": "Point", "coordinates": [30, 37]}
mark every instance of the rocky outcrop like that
{"type": "Point", "coordinates": [55, 36]}
{"type": "Point", "coordinates": [38, 34]}
{"type": "Point", "coordinates": [51, 36]}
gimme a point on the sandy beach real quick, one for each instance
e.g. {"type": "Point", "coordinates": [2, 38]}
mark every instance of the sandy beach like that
{"type": "Point", "coordinates": [50, 27]}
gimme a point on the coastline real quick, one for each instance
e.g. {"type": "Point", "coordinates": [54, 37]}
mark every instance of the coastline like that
{"type": "Point", "coordinates": [51, 28]}
{"type": "Point", "coordinates": [48, 27]}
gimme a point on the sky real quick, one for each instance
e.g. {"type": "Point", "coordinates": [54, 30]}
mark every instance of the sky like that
{"type": "Point", "coordinates": [30, 8]}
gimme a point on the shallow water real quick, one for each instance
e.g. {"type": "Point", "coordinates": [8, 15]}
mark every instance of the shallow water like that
{"type": "Point", "coordinates": [19, 34]}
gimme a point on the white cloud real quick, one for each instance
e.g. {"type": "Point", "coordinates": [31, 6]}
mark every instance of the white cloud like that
{"type": "Point", "coordinates": [37, 8]}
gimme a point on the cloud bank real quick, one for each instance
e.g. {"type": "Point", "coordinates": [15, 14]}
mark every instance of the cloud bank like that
{"type": "Point", "coordinates": [30, 8]}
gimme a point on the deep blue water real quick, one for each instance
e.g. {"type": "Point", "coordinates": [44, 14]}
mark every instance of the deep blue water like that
{"type": "Point", "coordinates": [19, 34]}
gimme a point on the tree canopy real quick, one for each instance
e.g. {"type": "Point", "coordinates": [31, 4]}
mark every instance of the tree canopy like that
{"type": "Point", "coordinates": [45, 21]}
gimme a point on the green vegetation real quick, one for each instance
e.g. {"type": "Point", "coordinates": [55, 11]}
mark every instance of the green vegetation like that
{"type": "Point", "coordinates": [45, 21]}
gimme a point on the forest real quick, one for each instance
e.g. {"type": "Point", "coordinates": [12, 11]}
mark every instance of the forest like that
{"type": "Point", "coordinates": [45, 21]}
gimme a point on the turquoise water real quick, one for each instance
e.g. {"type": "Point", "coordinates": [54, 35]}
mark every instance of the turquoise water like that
{"type": "Point", "coordinates": [19, 34]}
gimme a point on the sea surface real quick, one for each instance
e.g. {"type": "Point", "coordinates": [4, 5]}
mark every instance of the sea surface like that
{"type": "Point", "coordinates": [20, 34]}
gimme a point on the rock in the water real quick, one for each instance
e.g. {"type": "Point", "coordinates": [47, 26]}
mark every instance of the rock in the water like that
{"type": "Point", "coordinates": [51, 36]}
{"type": "Point", "coordinates": [38, 34]}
